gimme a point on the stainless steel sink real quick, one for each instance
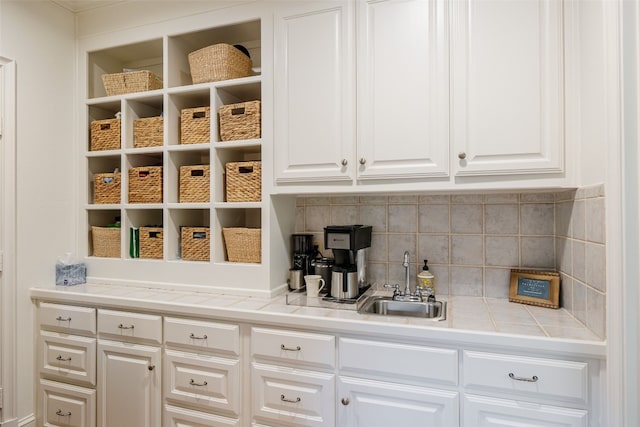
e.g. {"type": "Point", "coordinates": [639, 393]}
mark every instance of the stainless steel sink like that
{"type": "Point", "coordinates": [386, 306]}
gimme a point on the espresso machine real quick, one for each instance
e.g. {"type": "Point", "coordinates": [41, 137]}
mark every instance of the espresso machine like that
{"type": "Point", "coordinates": [349, 271]}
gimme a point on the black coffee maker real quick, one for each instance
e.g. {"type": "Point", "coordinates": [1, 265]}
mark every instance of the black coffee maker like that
{"type": "Point", "coordinates": [302, 252]}
{"type": "Point", "coordinates": [349, 244]}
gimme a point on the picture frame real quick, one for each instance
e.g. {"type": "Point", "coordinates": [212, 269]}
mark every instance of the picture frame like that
{"type": "Point", "coordinates": [540, 288]}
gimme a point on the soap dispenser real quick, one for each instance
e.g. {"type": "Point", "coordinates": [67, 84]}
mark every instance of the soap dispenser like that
{"type": "Point", "coordinates": [426, 279]}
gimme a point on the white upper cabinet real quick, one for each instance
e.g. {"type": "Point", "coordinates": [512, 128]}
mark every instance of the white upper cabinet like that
{"type": "Point", "coordinates": [403, 89]}
{"type": "Point", "coordinates": [507, 86]}
{"type": "Point", "coordinates": [314, 92]}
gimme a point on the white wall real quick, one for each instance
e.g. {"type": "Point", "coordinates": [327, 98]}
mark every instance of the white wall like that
{"type": "Point", "coordinates": [40, 37]}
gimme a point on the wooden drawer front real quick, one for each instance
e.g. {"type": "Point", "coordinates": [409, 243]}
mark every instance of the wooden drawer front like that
{"type": "Point", "coordinates": [67, 318]}
{"type": "Point", "coordinates": [392, 360]}
{"type": "Point", "coordinates": [68, 357]}
{"type": "Point", "coordinates": [180, 417]}
{"type": "Point", "coordinates": [492, 412]}
{"type": "Point", "coordinates": [122, 324]}
{"type": "Point", "coordinates": [199, 335]}
{"type": "Point", "coordinates": [67, 405]}
{"type": "Point", "coordinates": [545, 378]}
{"type": "Point", "coordinates": [207, 382]}
{"type": "Point", "coordinates": [293, 396]}
{"type": "Point", "coordinates": [313, 349]}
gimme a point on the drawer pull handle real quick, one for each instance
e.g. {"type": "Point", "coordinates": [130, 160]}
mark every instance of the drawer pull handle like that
{"type": "Point", "coordinates": [63, 359]}
{"type": "Point", "coordinates": [121, 326]}
{"type": "Point", "coordinates": [284, 399]}
{"type": "Point", "coordinates": [202, 384]}
{"type": "Point", "coordinates": [63, 319]}
{"type": "Point", "coordinates": [533, 379]}
{"type": "Point", "coordinates": [194, 337]}
{"type": "Point", "coordinates": [62, 414]}
{"type": "Point", "coordinates": [285, 348]}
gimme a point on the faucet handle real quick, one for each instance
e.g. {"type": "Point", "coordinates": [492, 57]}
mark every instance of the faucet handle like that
{"type": "Point", "coordinates": [396, 288]}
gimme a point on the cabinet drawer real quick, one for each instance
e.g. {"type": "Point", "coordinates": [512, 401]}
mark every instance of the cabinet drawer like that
{"type": "Point", "coordinates": [208, 382]}
{"type": "Point", "coordinates": [181, 417]}
{"type": "Point", "coordinates": [122, 324]}
{"type": "Point", "coordinates": [200, 335]}
{"type": "Point", "coordinates": [68, 357]}
{"type": "Point", "coordinates": [293, 396]}
{"type": "Point", "coordinates": [411, 363]}
{"type": "Point", "coordinates": [545, 378]}
{"type": "Point", "coordinates": [67, 318]}
{"type": "Point", "coordinates": [308, 348]}
{"type": "Point", "coordinates": [67, 405]}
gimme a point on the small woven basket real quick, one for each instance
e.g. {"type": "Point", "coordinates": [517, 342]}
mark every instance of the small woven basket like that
{"type": "Point", "coordinates": [195, 243]}
{"type": "Point", "coordinates": [151, 242]}
{"type": "Point", "coordinates": [243, 244]}
{"type": "Point", "coordinates": [106, 241]}
{"type": "Point", "coordinates": [218, 62]}
{"type": "Point", "coordinates": [147, 132]}
{"type": "Point", "coordinates": [145, 184]}
{"type": "Point", "coordinates": [195, 125]}
{"type": "Point", "coordinates": [244, 181]}
{"type": "Point", "coordinates": [240, 121]}
{"type": "Point", "coordinates": [105, 134]}
{"type": "Point", "coordinates": [194, 184]}
{"type": "Point", "coordinates": [106, 188]}
{"type": "Point", "coordinates": [131, 81]}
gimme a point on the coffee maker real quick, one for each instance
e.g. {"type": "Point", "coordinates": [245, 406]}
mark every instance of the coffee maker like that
{"type": "Point", "coordinates": [302, 252]}
{"type": "Point", "coordinates": [349, 244]}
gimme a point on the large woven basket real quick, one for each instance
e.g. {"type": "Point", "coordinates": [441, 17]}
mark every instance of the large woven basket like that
{"type": "Point", "coordinates": [243, 244]}
{"type": "Point", "coordinates": [131, 81]}
{"type": "Point", "coordinates": [240, 121]}
{"type": "Point", "coordinates": [195, 184]}
{"type": "Point", "coordinates": [195, 243]}
{"type": "Point", "coordinates": [148, 132]}
{"type": "Point", "coordinates": [244, 181]}
{"type": "Point", "coordinates": [218, 62]}
{"type": "Point", "coordinates": [151, 242]}
{"type": "Point", "coordinates": [106, 188]}
{"type": "Point", "coordinates": [145, 184]}
{"type": "Point", "coordinates": [106, 241]}
{"type": "Point", "coordinates": [195, 125]}
{"type": "Point", "coordinates": [105, 134]}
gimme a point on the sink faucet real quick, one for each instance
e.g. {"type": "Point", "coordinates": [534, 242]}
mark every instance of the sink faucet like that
{"type": "Point", "coordinates": [405, 264]}
{"type": "Point", "coordinates": [406, 295]}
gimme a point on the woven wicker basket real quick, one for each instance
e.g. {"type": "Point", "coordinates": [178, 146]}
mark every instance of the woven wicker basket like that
{"type": "Point", "coordinates": [194, 184]}
{"type": "Point", "coordinates": [151, 242]}
{"type": "Point", "coordinates": [148, 132]}
{"type": "Point", "coordinates": [243, 244]}
{"type": "Point", "coordinates": [106, 188]}
{"type": "Point", "coordinates": [106, 241]}
{"type": "Point", "coordinates": [129, 82]}
{"type": "Point", "coordinates": [244, 181]}
{"type": "Point", "coordinates": [145, 184]}
{"type": "Point", "coordinates": [240, 121]}
{"type": "Point", "coordinates": [105, 134]}
{"type": "Point", "coordinates": [195, 243]}
{"type": "Point", "coordinates": [195, 125]}
{"type": "Point", "coordinates": [218, 62]}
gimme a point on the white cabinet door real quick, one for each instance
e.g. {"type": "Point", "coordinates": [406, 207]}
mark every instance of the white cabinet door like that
{"type": "Point", "coordinates": [492, 412]}
{"type": "Point", "coordinates": [403, 89]}
{"type": "Point", "coordinates": [365, 403]}
{"type": "Point", "coordinates": [314, 92]}
{"type": "Point", "coordinates": [507, 86]}
{"type": "Point", "coordinates": [129, 392]}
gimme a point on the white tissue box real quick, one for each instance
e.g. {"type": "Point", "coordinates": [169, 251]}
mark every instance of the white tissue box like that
{"type": "Point", "coordinates": [71, 274]}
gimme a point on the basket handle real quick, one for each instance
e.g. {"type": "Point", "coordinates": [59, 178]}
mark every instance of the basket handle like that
{"type": "Point", "coordinates": [245, 169]}
{"type": "Point", "coordinates": [143, 174]}
{"type": "Point", "coordinates": [154, 234]}
{"type": "Point", "coordinates": [197, 172]}
{"type": "Point", "coordinates": [107, 180]}
{"type": "Point", "coordinates": [199, 234]}
{"type": "Point", "coordinates": [105, 126]}
{"type": "Point", "coordinates": [199, 114]}
{"type": "Point", "coordinates": [237, 111]}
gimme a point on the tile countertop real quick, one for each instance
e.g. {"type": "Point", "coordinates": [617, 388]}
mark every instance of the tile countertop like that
{"type": "Point", "coordinates": [470, 320]}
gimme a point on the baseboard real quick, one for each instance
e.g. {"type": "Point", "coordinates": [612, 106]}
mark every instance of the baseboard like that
{"type": "Point", "coordinates": [28, 421]}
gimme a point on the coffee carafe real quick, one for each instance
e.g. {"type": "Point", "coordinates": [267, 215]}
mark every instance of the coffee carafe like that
{"type": "Point", "coordinates": [349, 244]}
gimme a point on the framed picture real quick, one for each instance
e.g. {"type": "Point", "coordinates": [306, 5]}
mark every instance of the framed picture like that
{"type": "Point", "coordinates": [541, 288]}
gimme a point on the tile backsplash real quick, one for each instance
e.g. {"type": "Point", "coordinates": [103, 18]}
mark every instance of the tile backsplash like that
{"type": "Point", "coordinates": [473, 240]}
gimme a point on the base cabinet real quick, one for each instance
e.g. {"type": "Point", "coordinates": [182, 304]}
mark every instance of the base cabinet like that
{"type": "Point", "coordinates": [493, 412]}
{"type": "Point", "coordinates": [366, 403]}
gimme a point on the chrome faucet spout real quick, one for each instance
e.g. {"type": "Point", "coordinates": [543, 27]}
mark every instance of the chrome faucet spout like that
{"type": "Point", "coordinates": [405, 264]}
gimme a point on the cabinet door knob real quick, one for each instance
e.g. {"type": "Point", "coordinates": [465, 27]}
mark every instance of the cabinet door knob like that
{"type": "Point", "coordinates": [344, 162]}
{"type": "Point", "coordinates": [462, 155]}
{"type": "Point", "coordinates": [363, 161]}
{"type": "Point", "coordinates": [151, 367]}
{"type": "Point", "coordinates": [345, 401]}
